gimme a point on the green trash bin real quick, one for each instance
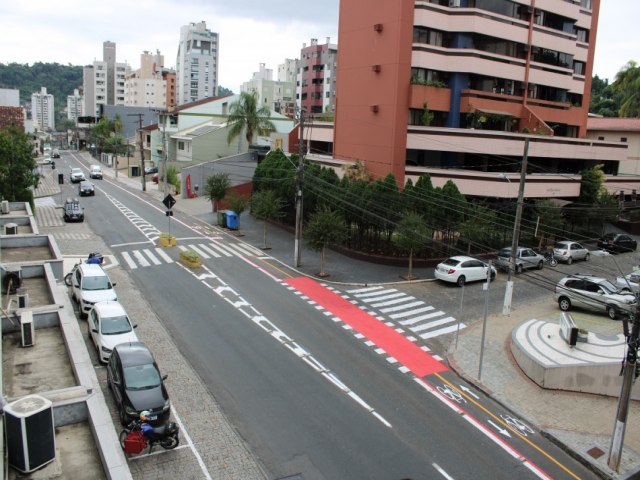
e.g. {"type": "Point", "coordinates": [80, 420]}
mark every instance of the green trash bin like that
{"type": "Point", "coordinates": [222, 218]}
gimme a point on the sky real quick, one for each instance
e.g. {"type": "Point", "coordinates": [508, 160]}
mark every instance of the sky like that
{"type": "Point", "coordinates": [251, 31]}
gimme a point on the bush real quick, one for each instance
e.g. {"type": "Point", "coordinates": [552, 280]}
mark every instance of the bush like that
{"type": "Point", "coordinates": [190, 256]}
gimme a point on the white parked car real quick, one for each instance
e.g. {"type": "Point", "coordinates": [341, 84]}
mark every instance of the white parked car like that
{"type": "Point", "coordinates": [90, 284]}
{"type": "Point", "coordinates": [95, 172]}
{"type": "Point", "coordinates": [567, 251]}
{"type": "Point", "coordinates": [76, 175]}
{"type": "Point", "coordinates": [461, 269]}
{"type": "Point", "coordinates": [109, 325]}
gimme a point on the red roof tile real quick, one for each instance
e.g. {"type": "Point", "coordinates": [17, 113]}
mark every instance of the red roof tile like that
{"type": "Point", "coordinates": [615, 124]}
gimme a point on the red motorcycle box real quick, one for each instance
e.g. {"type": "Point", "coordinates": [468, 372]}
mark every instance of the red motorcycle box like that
{"type": "Point", "coordinates": [135, 442]}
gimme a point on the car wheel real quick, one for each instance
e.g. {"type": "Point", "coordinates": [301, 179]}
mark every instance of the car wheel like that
{"type": "Point", "coordinates": [461, 280]}
{"type": "Point", "coordinates": [540, 265]}
{"type": "Point", "coordinates": [565, 304]}
{"type": "Point", "coordinates": [123, 418]}
{"type": "Point", "coordinates": [611, 311]}
{"type": "Point", "coordinates": [493, 276]}
{"type": "Point", "coordinates": [586, 257]}
{"type": "Point", "coordinates": [625, 290]}
{"type": "Point", "coordinates": [518, 268]}
{"type": "Point", "coordinates": [569, 260]}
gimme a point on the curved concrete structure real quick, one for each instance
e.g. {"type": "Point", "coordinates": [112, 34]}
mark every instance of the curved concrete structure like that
{"type": "Point", "coordinates": [591, 367]}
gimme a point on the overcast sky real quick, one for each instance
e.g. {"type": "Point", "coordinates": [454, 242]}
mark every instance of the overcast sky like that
{"type": "Point", "coordinates": [251, 31]}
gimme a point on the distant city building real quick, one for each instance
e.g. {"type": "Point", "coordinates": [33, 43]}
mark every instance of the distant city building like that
{"type": "Point", "coordinates": [9, 97]}
{"type": "Point", "coordinates": [74, 105]}
{"type": "Point", "coordinates": [625, 130]}
{"type": "Point", "coordinates": [276, 95]}
{"type": "Point", "coordinates": [103, 82]}
{"type": "Point", "coordinates": [42, 110]}
{"type": "Point", "coordinates": [197, 63]}
{"type": "Point", "coordinates": [146, 86]}
{"type": "Point", "coordinates": [316, 77]}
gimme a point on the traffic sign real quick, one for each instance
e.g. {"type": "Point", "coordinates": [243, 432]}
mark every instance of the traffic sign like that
{"type": "Point", "coordinates": [169, 201]}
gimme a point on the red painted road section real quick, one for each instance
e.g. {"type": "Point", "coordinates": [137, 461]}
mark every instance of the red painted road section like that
{"type": "Point", "coordinates": [385, 337]}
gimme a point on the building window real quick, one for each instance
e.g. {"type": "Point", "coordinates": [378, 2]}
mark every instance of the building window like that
{"type": "Point", "coordinates": [623, 139]}
{"type": "Point", "coordinates": [579, 67]}
{"type": "Point", "coordinates": [582, 34]}
{"type": "Point", "coordinates": [600, 138]}
{"type": "Point", "coordinates": [180, 145]}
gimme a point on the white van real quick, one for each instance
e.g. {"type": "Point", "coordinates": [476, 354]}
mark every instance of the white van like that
{"type": "Point", "coordinates": [95, 172]}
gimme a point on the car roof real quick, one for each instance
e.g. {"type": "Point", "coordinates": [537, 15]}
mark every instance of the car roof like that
{"type": "Point", "coordinates": [96, 166]}
{"type": "Point", "coordinates": [74, 169]}
{"type": "Point", "coordinates": [134, 353]}
{"type": "Point", "coordinates": [462, 258]}
{"type": "Point", "coordinates": [92, 269]}
{"type": "Point", "coordinates": [110, 308]}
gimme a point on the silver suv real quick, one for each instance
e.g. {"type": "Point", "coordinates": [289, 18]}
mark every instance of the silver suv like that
{"type": "Point", "coordinates": [525, 258]}
{"type": "Point", "coordinates": [593, 293]}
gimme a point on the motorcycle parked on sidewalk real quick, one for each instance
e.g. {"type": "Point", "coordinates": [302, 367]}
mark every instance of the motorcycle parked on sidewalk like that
{"type": "Point", "coordinates": [134, 440]}
{"type": "Point", "coordinates": [549, 259]}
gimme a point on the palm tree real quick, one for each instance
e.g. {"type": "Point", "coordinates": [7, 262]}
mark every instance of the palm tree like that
{"type": "Point", "coordinates": [627, 83]}
{"type": "Point", "coordinates": [245, 115]}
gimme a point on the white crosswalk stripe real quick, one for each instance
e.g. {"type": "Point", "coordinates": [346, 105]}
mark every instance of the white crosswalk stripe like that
{"type": "Point", "coordinates": [49, 216]}
{"type": "Point", "coordinates": [425, 321]}
{"type": "Point", "coordinates": [147, 257]}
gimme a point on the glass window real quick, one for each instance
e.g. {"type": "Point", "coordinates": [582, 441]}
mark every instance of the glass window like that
{"type": "Point", "coordinates": [141, 377]}
{"type": "Point", "coordinates": [115, 325]}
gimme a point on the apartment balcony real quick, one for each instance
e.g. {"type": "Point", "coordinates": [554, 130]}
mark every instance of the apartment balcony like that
{"type": "Point", "coordinates": [437, 98]}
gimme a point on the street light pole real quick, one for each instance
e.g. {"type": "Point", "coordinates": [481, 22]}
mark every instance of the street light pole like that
{"type": "Point", "coordinates": [299, 179]}
{"type": "Point", "coordinates": [508, 294]}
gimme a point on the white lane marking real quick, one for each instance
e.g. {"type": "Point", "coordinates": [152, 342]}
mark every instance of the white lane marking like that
{"type": "Point", "coordinates": [367, 289]}
{"type": "Point", "coordinates": [199, 252]}
{"type": "Point", "coordinates": [127, 258]}
{"type": "Point", "coordinates": [238, 247]}
{"type": "Point", "coordinates": [210, 251]}
{"type": "Point", "coordinates": [400, 307]}
{"type": "Point", "coordinates": [388, 302]}
{"type": "Point", "coordinates": [151, 256]}
{"type": "Point", "coordinates": [140, 258]}
{"type": "Point", "coordinates": [420, 318]}
{"type": "Point", "coordinates": [415, 311]}
{"type": "Point", "coordinates": [442, 331]}
{"type": "Point", "coordinates": [220, 249]}
{"type": "Point", "coordinates": [377, 293]}
{"type": "Point", "coordinates": [164, 256]}
{"type": "Point", "coordinates": [435, 323]}
{"type": "Point", "coordinates": [442, 472]}
{"type": "Point", "coordinates": [203, 467]}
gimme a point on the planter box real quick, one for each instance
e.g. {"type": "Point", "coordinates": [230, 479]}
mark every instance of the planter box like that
{"type": "Point", "coordinates": [167, 241]}
{"type": "Point", "coordinates": [190, 259]}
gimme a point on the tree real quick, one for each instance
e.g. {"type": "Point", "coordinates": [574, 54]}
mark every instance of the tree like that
{"type": "Point", "coordinates": [591, 184]}
{"type": "Point", "coordinates": [266, 205]}
{"type": "Point", "coordinates": [216, 188]}
{"type": "Point", "coordinates": [550, 219]}
{"type": "Point", "coordinates": [325, 227]}
{"type": "Point", "coordinates": [17, 165]}
{"type": "Point", "coordinates": [411, 235]}
{"type": "Point", "coordinates": [237, 204]}
{"type": "Point", "coordinates": [627, 83]}
{"type": "Point", "coordinates": [245, 115]}
{"type": "Point", "coordinates": [427, 115]}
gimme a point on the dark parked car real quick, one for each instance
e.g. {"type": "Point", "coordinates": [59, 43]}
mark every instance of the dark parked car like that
{"type": "Point", "coordinates": [617, 242]}
{"type": "Point", "coordinates": [73, 212]}
{"type": "Point", "coordinates": [86, 188]}
{"type": "Point", "coordinates": [134, 378]}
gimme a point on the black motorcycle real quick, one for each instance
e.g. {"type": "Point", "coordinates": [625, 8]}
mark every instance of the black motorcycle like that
{"type": "Point", "coordinates": [166, 435]}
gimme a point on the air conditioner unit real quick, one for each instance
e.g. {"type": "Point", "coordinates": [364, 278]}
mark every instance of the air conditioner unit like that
{"type": "Point", "coordinates": [5, 206]}
{"type": "Point", "coordinates": [27, 332]}
{"type": "Point", "coordinates": [11, 229]}
{"type": "Point", "coordinates": [23, 297]}
{"type": "Point", "coordinates": [30, 433]}
{"type": "Point", "coordinates": [454, 3]}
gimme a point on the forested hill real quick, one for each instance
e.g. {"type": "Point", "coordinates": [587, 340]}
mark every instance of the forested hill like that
{"type": "Point", "coordinates": [59, 80]}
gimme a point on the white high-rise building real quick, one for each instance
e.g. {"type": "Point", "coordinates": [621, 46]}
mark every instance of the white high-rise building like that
{"type": "Point", "coordinates": [197, 63]}
{"type": "Point", "coordinates": [42, 110]}
{"type": "Point", "coordinates": [74, 105]}
{"type": "Point", "coordinates": [276, 95]}
{"type": "Point", "coordinates": [103, 82]}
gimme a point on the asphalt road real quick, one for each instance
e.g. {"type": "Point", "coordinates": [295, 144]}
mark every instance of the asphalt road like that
{"type": "Point", "coordinates": [305, 387]}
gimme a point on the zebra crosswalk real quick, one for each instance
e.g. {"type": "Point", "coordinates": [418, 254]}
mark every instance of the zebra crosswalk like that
{"type": "Point", "coordinates": [49, 215]}
{"type": "Point", "coordinates": [154, 256]}
{"type": "Point", "coordinates": [407, 312]}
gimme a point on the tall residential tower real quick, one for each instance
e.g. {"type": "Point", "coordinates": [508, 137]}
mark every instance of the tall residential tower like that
{"type": "Point", "coordinates": [197, 63]}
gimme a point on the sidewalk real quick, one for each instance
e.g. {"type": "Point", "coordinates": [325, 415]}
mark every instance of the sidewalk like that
{"type": "Point", "coordinates": [581, 423]}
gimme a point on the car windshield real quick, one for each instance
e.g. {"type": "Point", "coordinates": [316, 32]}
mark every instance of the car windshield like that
{"type": "Point", "coordinates": [76, 170]}
{"type": "Point", "coordinates": [95, 283]}
{"type": "Point", "coordinates": [141, 377]}
{"type": "Point", "coordinates": [562, 246]}
{"type": "Point", "coordinates": [450, 262]}
{"type": "Point", "coordinates": [505, 252]}
{"type": "Point", "coordinates": [115, 325]}
{"type": "Point", "coordinates": [608, 287]}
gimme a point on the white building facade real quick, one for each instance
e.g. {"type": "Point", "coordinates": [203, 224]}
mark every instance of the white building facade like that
{"type": "Point", "coordinates": [146, 86]}
{"type": "Point", "coordinates": [276, 95]}
{"type": "Point", "coordinates": [74, 105]}
{"type": "Point", "coordinates": [103, 82]}
{"type": "Point", "coordinates": [43, 110]}
{"type": "Point", "coordinates": [197, 63]}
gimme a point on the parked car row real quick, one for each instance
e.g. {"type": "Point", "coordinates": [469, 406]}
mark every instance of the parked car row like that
{"type": "Point", "coordinates": [133, 375]}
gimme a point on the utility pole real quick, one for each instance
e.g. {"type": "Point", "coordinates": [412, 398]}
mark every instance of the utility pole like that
{"type": "Point", "coordinates": [484, 317]}
{"type": "Point", "coordinates": [508, 294]}
{"type": "Point", "coordinates": [629, 374]}
{"type": "Point", "coordinates": [299, 181]}
{"type": "Point", "coordinates": [142, 176]}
